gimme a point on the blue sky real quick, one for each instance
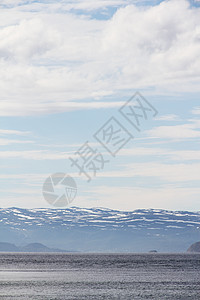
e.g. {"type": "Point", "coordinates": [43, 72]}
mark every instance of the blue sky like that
{"type": "Point", "coordinates": [67, 68]}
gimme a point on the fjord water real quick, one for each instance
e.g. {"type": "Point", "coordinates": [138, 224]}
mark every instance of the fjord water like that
{"type": "Point", "coordinates": [99, 276]}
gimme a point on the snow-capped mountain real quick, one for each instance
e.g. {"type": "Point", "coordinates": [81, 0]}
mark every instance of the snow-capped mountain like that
{"type": "Point", "coordinates": [100, 229]}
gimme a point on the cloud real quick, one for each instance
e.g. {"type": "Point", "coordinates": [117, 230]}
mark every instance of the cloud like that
{"type": "Point", "coordinates": [50, 59]}
{"type": "Point", "coordinates": [8, 141]}
{"type": "Point", "coordinates": [5, 142]}
{"type": "Point", "coordinates": [26, 190]}
{"type": "Point", "coordinates": [170, 173]}
{"type": "Point", "coordinates": [35, 154]}
{"type": "Point", "coordinates": [185, 131]}
{"type": "Point", "coordinates": [40, 108]}
{"type": "Point", "coordinates": [66, 5]}
{"type": "Point", "coordinates": [121, 198]}
{"type": "Point", "coordinates": [170, 117]}
{"type": "Point", "coordinates": [159, 153]}
{"type": "Point", "coordinates": [13, 132]}
{"type": "Point", "coordinates": [127, 198]}
{"type": "Point", "coordinates": [26, 40]}
{"type": "Point", "coordinates": [196, 111]}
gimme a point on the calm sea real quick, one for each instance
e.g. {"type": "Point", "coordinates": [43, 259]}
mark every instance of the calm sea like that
{"type": "Point", "coordinates": [99, 276]}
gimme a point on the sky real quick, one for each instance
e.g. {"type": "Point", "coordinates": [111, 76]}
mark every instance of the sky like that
{"type": "Point", "coordinates": [68, 70]}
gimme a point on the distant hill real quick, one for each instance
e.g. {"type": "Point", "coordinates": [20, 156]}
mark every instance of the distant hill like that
{"type": "Point", "coordinates": [100, 229]}
{"type": "Point", "coordinates": [194, 247]}
{"type": "Point", "coordinates": [8, 247]}
{"type": "Point", "coordinates": [38, 247]}
{"type": "Point", "coordinates": [33, 247]}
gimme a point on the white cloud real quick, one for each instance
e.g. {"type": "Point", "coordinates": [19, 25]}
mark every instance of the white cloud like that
{"type": "Point", "coordinates": [40, 108]}
{"type": "Point", "coordinates": [8, 141]}
{"type": "Point", "coordinates": [127, 198]}
{"type": "Point", "coordinates": [171, 117]}
{"type": "Point", "coordinates": [26, 40]}
{"type": "Point", "coordinates": [67, 5]}
{"type": "Point", "coordinates": [171, 173]}
{"type": "Point", "coordinates": [51, 58]}
{"type": "Point", "coordinates": [196, 111]}
{"type": "Point", "coordinates": [35, 155]}
{"type": "Point", "coordinates": [27, 177]}
{"type": "Point", "coordinates": [13, 132]}
{"type": "Point", "coordinates": [5, 142]}
{"type": "Point", "coordinates": [122, 198]}
{"type": "Point", "coordinates": [159, 153]}
{"type": "Point", "coordinates": [28, 193]}
{"type": "Point", "coordinates": [185, 131]}
{"type": "Point", "coordinates": [93, 5]}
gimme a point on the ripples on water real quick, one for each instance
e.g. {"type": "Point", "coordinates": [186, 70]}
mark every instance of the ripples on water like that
{"type": "Point", "coordinates": [99, 276]}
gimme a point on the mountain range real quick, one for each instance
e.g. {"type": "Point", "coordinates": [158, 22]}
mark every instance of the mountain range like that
{"type": "Point", "coordinates": [32, 247]}
{"type": "Point", "coordinates": [101, 229]}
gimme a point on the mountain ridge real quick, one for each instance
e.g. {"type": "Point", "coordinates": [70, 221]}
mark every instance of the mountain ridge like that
{"type": "Point", "coordinates": [32, 247]}
{"type": "Point", "coordinates": [101, 229]}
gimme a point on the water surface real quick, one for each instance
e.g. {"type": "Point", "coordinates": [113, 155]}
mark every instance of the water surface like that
{"type": "Point", "coordinates": [99, 276]}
